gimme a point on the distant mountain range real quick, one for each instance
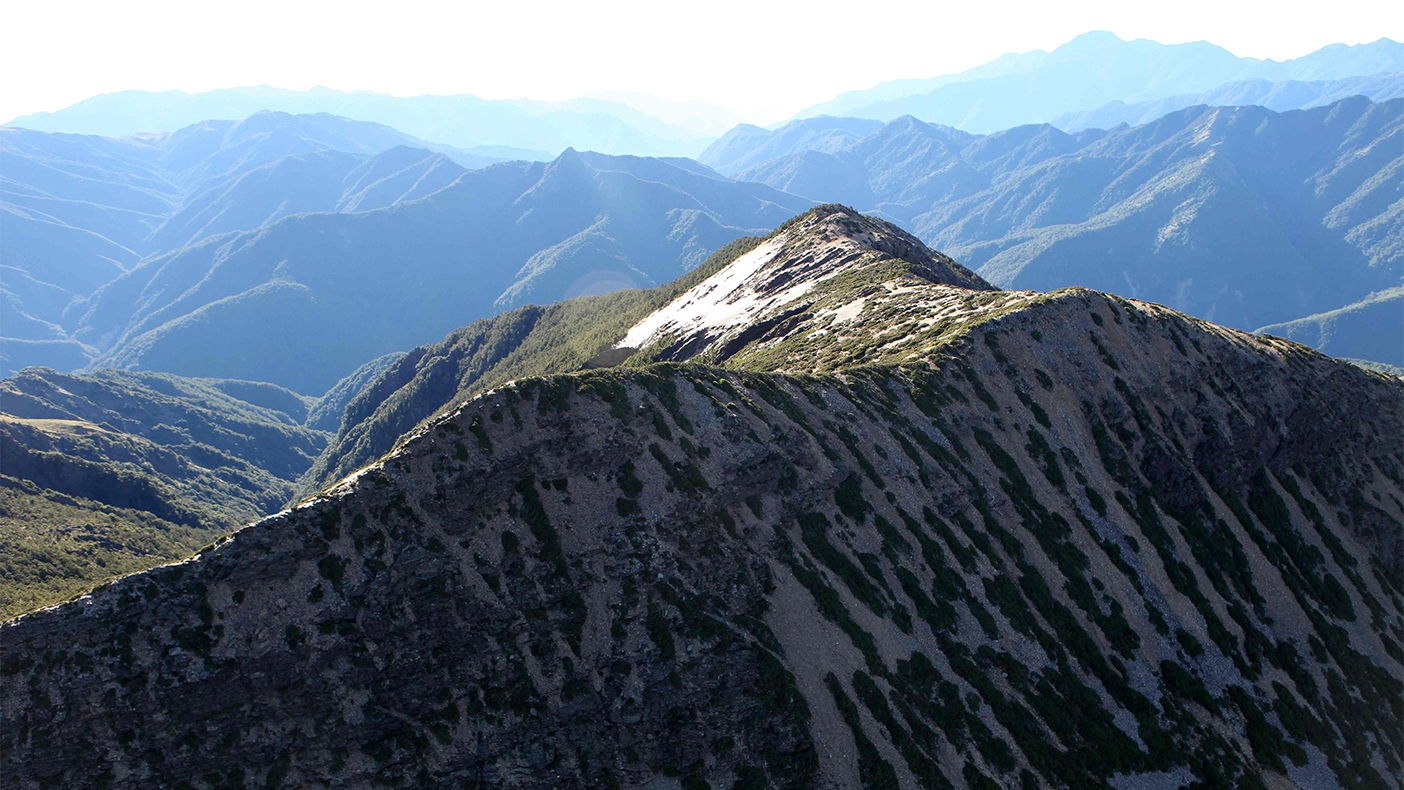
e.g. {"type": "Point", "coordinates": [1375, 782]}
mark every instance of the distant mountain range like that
{"type": "Point", "coordinates": [1277, 96]}
{"type": "Point", "coordinates": [703, 117]}
{"type": "Point", "coordinates": [1088, 72]}
{"type": "Point", "coordinates": [293, 249]}
{"type": "Point", "coordinates": [1240, 215]}
{"type": "Point", "coordinates": [746, 145]}
{"type": "Point", "coordinates": [1370, 329]}
{"type": "Point", "coordinates": [131, 197]}
{"type": "Point", "coordinates": [465, 121]}
{"type": "Point", "coordinates": [79, 210]}
{"type": "Point", "coordinates": [1080, 84]}
{"type": "Point", "coordinates": [304, 301]}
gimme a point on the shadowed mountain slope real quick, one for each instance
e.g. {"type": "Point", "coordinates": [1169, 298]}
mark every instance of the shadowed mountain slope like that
{"type": "Point", "coordinates": [326, 414]}
{"type": "Point", "coordinates": [307, 300]}
{"type": "Point", "coordinates": [77, 211]}
{"type": "Point", "coordinates": [117, 472]}
{"type": "Point", "coordinates": [1061, 539]}
{"type": "Point", "coordinates": [1371, 329]}
{"type": "Point", "coordinates": [1239, 215]}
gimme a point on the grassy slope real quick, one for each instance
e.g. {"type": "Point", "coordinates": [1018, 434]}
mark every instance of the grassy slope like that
{"type": "Point", "coordinates": [54, 546]}
{"type": "Point", "coordinates": [117, 472]}
{"type": "Point", "coordinates": [528, 341]}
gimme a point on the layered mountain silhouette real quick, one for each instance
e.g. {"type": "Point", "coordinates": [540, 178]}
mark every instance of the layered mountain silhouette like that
{"type": "Point", "coordinates": [1276, 96]}
{"type": "Point", "coordinates": [875, 524]}
{"type": "Point", "coordinates": [125, 189]}
{"type": "Point", "coordinates": [306, 300]}
{"type": "Point", "coordinates": [1090, 71]}
{"type": "Point", "coordinates": [1239, 215]}
{"type": "Point", "coordinates": [1236, 214]}
{"type": "Point", "coordinates": [77, 211]}
{"type": "Point", "coordinates": [1370, 329]}
{"type": "Point", "coordinates": [745, 145]}
{"type": "Point", "coordinates": [463, 120]}
{"type": "Point", "coordinates": [327, 181]}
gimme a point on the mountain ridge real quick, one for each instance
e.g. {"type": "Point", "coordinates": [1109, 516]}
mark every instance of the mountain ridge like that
{"type": "Point", "coordinates": [1276, 96]}
{"type": "Point", "coordinates": [572, 335]}
{"type": "Point", "coordinates": [78, 211]}
{"type": "Point", "coordinates": [525, 232]}
{"type": "Point", "coordinates": [1090, 70]}
{"type": "Point", "coordinates": [464, 120]}
{"type": "Point", "coordinates": [1063, 539]}
{"type": "Point", "coordinates": [1368, 329]}
{"type": "Point", "coordinates": [1141, 210]}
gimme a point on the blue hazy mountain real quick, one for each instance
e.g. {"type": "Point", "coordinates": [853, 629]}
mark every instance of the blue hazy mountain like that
{"type": "Point", "coordinates": [704, 117]}
{"type": "Point", "coordinates": [1088, 72]}
{"type": "Point", "coordinates": [306, 300]}
{"type": "Point", "coordinates": [302, 183]}
{"type": "Point", "coordinates": [1370, 329]}
{"type": "Point", "coordinates": [124, 190]}
{"type": "Point", "coordinates": [1239, 215]}
{"type": "Point", "coordinates": [746, 145]}
{"type": "Point", "coordinates": [464, 121]}
{"type": "Point", "coordinates": [77, 211]}
{"type": "Point", "coordinates": [1278, 96]}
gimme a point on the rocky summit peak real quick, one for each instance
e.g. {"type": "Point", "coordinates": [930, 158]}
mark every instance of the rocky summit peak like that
{"type": "Point", "coordinates": [828, 254]}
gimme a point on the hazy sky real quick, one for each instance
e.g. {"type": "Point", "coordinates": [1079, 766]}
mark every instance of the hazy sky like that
{"type": "Point", "coordinates": [766, 60]}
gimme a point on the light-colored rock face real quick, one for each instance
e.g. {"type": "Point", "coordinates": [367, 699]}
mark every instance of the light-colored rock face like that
{"type": "Point", "coordinates": [727, 299]}
{"type": "Point", "coordinates": [784, 277]}
{"type": "Point", "coordinates": [1082, 542]}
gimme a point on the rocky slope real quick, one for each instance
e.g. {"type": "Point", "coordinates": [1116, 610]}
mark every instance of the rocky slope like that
{"type": "Point", "coordinates": [915, 534]}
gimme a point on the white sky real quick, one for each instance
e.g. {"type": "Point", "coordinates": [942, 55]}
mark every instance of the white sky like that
{"type": "Point", "coordinates": [764, 59]}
